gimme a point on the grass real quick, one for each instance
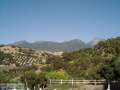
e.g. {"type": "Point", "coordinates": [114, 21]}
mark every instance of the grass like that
{"type": "Point", "coordinates": [74, 87]}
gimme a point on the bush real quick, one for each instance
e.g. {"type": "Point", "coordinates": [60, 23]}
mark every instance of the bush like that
{"type": "Point", "coordinates": [57, 75]}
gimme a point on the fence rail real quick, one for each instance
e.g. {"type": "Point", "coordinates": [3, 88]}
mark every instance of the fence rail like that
{"type": "Point", "coordinates": [77, 82]}
{"type": "Point", "coordinates": [20, 86]}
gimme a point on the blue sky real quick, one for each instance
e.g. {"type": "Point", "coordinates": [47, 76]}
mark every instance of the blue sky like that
{"type": "Point", "coordinates": [58, 20]}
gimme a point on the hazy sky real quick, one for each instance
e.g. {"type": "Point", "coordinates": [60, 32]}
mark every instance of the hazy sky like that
{"type": "Point", "coordinates": [58, 20]}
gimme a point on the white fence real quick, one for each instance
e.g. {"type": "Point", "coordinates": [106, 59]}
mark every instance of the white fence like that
{"type": "Point", "coordinates": [95, 82]}
{"type": "Point", "coordinates": [12, 86]}
{"type": "Point", "coordinates": [52, 82]}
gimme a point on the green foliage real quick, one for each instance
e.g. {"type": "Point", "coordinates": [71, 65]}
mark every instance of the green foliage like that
{"type": "Point", "coordinates": [6, 58]}
{"type": "Point", "coordinates": [57, 64]}
{"type": "Point", "coordinates": [57, 75]}
{"type": "Point", "coordinates": [32, 79]}
{"type": "Point", "coordinates": [100, 62]}
{"type": "Point", "coordinates": [4, 78]}
{"type": "Point", "coordinates": [107, 72]}
{"type": "Point", "coordinates": [117, 68]}
{"type": "Point", "coordinates": [95, 63]}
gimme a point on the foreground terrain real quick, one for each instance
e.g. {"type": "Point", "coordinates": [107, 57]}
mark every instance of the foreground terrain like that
{"type": "Point", "coordinates": [26, 65]}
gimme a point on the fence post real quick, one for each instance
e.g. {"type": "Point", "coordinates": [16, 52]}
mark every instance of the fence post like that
{"type": "Point", "coordinates": [72, 82]}
{"type": "Point", "coordinates": [61, 81]}
{"type": "Point", "coordinates": [108, 86]}
{"type": "Point", "coordinates": [95, 82]}
{"type": "Point", "coordinates": [72, 85]}
{"type": "Point", "coordinates": [34, 87]}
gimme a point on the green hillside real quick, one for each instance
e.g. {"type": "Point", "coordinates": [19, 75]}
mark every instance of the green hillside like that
{"type": "Point", "coordinates": [99, 62]}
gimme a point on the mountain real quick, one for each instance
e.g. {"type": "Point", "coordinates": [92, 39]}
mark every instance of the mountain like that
{"type": "Point", "coordinates": [23, 43]}
{"type": "Point", "coordinates": [95, 41]}
{"type": "Point", "coordinates": [67, 46]}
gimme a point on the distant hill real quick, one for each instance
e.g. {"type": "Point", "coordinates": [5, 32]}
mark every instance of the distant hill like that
{"type": "Point", "coordinates": [10, 54]}
{"type": "Point", "coordinates": [95, 41]}
{"type": "Point", "coordinates": [67, 46]}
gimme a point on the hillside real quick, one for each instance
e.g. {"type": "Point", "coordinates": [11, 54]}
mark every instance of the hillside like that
{"type": "Point", "coordinates": [24, 56]}
{"type": "Point", "coordinates": [100, 62]}
{"type": "Point", "coordinates": [67, 46]}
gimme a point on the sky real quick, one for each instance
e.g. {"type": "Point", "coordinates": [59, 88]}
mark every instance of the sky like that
{"type": "Point", "coordinates": [58, 20]}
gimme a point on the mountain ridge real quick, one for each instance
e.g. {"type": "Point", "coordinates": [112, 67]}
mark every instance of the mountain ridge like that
{"type": "Point", "coordinates": [66, 46]}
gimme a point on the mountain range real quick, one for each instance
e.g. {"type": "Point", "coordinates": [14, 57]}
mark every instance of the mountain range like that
{"type": "Point", "coordinates": [67, 46]}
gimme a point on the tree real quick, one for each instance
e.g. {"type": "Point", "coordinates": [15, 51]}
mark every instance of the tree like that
{"type": "Point", "coordinates": [42, 80]}
{"type": "Point", "coordinates": [4, 77]}
{"type": "Point", "coordinates": [32, 79]}
{"type": "Point", "coordinates": [117, 68]}
{"type": "Point", "coordinates": [56, 63]}
{"type": "Point", "coordinates": [107, 72]}
{"type": "Point", "coordinates": [5, 58]}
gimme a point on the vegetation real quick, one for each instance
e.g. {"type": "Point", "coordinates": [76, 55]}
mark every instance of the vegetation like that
{"type": "Point", "coordinates": [5, 58]}
{"type": "Point", "coordinates": [100, 62]}
{"type": "Point", "coordinates": [32, 79]}
{"type": "Point", "coordinates": [57, 75]}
